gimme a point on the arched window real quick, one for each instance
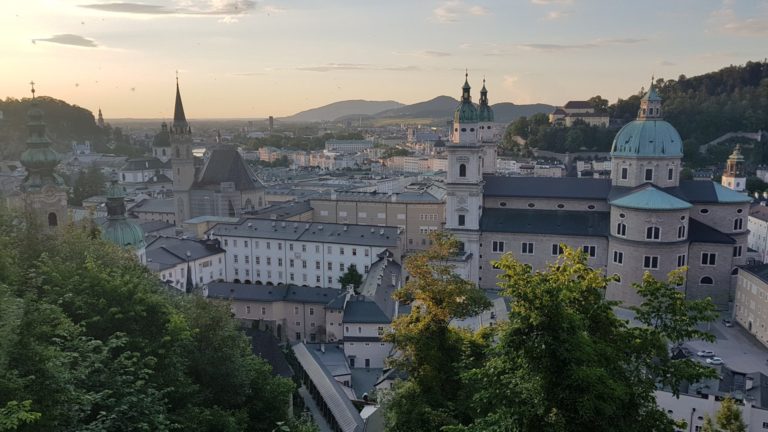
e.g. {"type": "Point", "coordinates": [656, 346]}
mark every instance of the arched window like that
{"type": "Point", "coordinates": [652, 233]}
{"type": "Point", "coordinates": [706, 280]}
{"type": "Point", "coordinates": [53, 220]}
{"type": "Point", "coordinates": [462, 170]}
{"type": "Point", "coordinates": [681, 231]}
{"type": "Point", "coordinates": [621, 229]}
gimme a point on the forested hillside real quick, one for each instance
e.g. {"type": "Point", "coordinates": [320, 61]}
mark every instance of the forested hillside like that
{"type": "Point", "coordinates": [66, 123]}
{"type": "Point", "coordinates": [702, 108]}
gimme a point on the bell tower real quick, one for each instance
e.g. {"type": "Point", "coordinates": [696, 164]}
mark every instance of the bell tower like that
{"type": "Point", "coordinates": [182, 160]}
{"type": "Point", "coordinates": [43, 192]}
{"type": "Point", "coordinates": [734, 177]}
{"type": "Point", "coordinates": [488, 134]}
{"type": "Point", "coordinates": [464, 184]}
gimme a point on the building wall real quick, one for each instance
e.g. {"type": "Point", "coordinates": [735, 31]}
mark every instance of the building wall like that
{"type": "Point", "coordinates": [636, 171]}
{"type": "Point", "coordinates": [692, 409]}
{"type": "Point", "coordinates": [155, 216]}
{"type": "Point", "coordinates": [376, 352]}
{"type": "Point", "coordinates": [334, 329]}
{"type": "Point", "coordinates": [542, 251]}
{"type": "Point", "coordinates": [758, 236]}
{"type": "Point", "coordinates": [721, 290]}
{"type": "Point", "coordinates": [305, 320]}
{"type": "Point", "coordinates": [751, 305]}
{"type": "Point", "coordinates": [204, 270]}
{"type": "Point", "coordinates": [546, 203]}
{"type": "Point", "coordinates": [722, 216]}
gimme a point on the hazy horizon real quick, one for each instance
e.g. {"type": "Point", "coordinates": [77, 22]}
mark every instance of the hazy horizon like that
{"type": "Point", "coordinates": [242, 59]}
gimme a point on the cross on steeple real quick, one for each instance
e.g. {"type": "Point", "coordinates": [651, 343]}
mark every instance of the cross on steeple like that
{"type": "Point", "coordinates": [32, 83]}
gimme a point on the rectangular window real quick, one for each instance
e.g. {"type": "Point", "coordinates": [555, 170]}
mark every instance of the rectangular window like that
{"type": "Point", "coordinates": [681, 260]}
{"type": "Point", "coordinates": [366, 252]}
{"type": "Point", "coordinates": [341, 251]}
{"type": "Point", "coordinates": [557, 249]}
{"type": "Point", "coordinates": [366, 268]}
{"type": "Point", "coordinates": [290, 263]}
{"type": "Point", "coordinates": [257, 260]}
{"type": "Point", "coordinates": [263, 310]}
{"type": "Point", "coordinates": [317, 248]}
{"type": "Point", "coordinates": [290, 275]}
{"type": "Point", "coordinates": [624, 173]}
{"type": "Point", "coordinates": [330, 281]}
{"type": "Point", "coordinates": [618, 257]}
{"type": "Point", "coordinates": [269, 260]}
{"type": "Point", "coordinates": [649, 174]}
{"type": "Point", "coordinates": [329, 249]}
{"type": "Point", "coordinates": [234, 258]}
{"type": "Point", "coordinates": [247, 259]}
{"type": "Point", "coordinates": [323, 212]}
{"type": "Point", "coordinates": [279, 246]}
{"type": "Point", "coordinates": [670, 174]}
{"type": "Point", "coordinates": [381, 216]}
{"type": "Point", "coordinates": [234, 243]}
{"type": "Point", "coordinates": [341, 267]}
{"type": "Point", "coordinates": [269, 245]}
{"type": "Point", "coordinates": [498, 246]}
{"type": "Point", "coordinates": [462, 220]}
{"type": "Point", "coordinates": [652, 233]}
{"type": "Point", "coordinates": [650, 262]}
{"type": "Point", "coordinates": [317, 279]}
{"type": "Point", "coordinates": [591, 251]}
{"type": "Point", "coordinates": [526, 248]}
{"type": "Point", "coordinates": [248, 310]}
{"type": "Point", "coordinates": [738, 224]}
{"type": "Point", "coordinates": [290, 247]}
{"type": "Point", "coordinates": [401, 216]}
{"type": "Point", "coordinates": [708, 258]}
{"type": "Point", "coordinates": [303, 264]}
{"type": "Point", "coordinates": [736, 251]}
{"type": "Point", "coordinates": [303, 248]}
{"type": "Point", "coordinates": [681, 231]}
{"type": "Point", "coordinates": [354, 251]}
{"type": "Point", "coordinates": [245, 243]}
{"type": "Point", "coordinates": [226, 242]}
{"type": "Point", "coordinates": [317, 265]}
{"type": "Point", "coordinates": [342, 214]}
{"type": "Point", "coordinates": [621, 229]}
{"type": "Point", "coordinates": [362, 214]}
{"type": "Point", "coordinates": [330, 266]}
{"type": "Point", "coordinates": [311, 311]}
{"type": "Point", "coordinates": [279, 262]}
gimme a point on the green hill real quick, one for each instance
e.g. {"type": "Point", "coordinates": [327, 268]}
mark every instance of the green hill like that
{"type": "Point", "coordinates": [66, 123]}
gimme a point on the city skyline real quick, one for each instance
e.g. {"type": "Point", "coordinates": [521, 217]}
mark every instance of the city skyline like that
{"type": "Point", "coordinates": [247, 59]}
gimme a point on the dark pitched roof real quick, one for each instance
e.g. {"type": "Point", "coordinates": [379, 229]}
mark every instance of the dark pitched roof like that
{"type": "Point", "coordinates": [578, 105]}
{"type": "Point", "coordinates": [265, 345]}
{"type": "Point", "coordinates": [168, 252]}
{"type": "Point", "coordinates": [758, 270]}
{"type": "Point", "coordinates": [547, 187]}
{"type": "Point", "coordinates": [283, 210]}
{"type": "Point", "coordinates": [557, 222]}
{"type": "Point", "coordinates": [269, 293]}
{"type": "Point", "coordinates": [699, 232]}
{"type": "Point", "coordinates": [143, 164]}
{"type": "Point", "coordinates": [364, 311]}
{"type": "Point", "coordinates": [759, 211]}
{"type": "Point", "coordinates": [226, 165]}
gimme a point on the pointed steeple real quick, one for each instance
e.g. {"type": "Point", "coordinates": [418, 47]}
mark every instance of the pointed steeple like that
{"type": "Point", "coordinates": [465, 94]}
{"type": "Point", "coordinates": [650, 105]}
{"type": "Point", "coordinates": [100, 120]}
{"type": "Point", "coordinates": [466, 112]}
{"type": "Point", "coordinates": [180, 125]}
{"type": "Point", "coordinates": [485, 112]}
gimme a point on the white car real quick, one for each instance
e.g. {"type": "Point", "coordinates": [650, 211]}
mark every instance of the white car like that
{"type": "Point", "coordinates": [706, 353]}
{"type": "Point", "coordinates": [715, 361]}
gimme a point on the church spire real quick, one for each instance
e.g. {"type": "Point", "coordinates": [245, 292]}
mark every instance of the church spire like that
{"type": "Point", "coordinates": [180, 125]}
{"type": "Point", "coordinates": [100, 120]}
{"type": "Point", "coordinates": [39, 159]}
{"type": "Point", "coordinates": [485, 112]}
{"type": "Point", "coordinates": [650, 105]}
{"type": "Point", "coordinates": [465, 95]}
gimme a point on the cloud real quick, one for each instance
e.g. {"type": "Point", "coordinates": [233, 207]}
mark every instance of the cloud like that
{"type": "Point", "coordinates": [423, 53]}
{"type": "Point", "coordinates": [551, 2]}
{"type": "Point", "coordinates": [355, 66]}
{"type": "Point", "coordinates": [552, 47]}
{"type": "Point", "coordinates": [667, 63]}
{"type": "Point", "coordinates": [449, 11]}
{"type": "Point", "coordinates": [69, 39]}
{"type": "Point", "coordinates": [727, 21]}
{"type": "Point", "coordinates": [190, 7]}
{"type": "Point", "coordinates": [554, 15]}
{"type": "Point", "coordinates": [509, 81]}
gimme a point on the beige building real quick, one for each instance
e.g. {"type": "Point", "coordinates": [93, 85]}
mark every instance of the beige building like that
{"type": "Point", "coordinates": [751, 302]}
{"type": "Point", "coordinates": [417, 214]}
{"type": "Point", "coordinates": [572, 111]}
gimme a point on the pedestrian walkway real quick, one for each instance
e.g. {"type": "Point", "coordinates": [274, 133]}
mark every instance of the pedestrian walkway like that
{"type": "Point", "coordinates": [317, 417]}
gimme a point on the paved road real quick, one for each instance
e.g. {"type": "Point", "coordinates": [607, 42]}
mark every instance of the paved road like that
{"type": "Point", "coordinates": [738, 349]}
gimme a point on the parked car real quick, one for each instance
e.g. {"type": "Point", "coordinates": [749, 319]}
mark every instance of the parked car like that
{"type": "Point", "coordinates": [706, 353]}
{"type": "Point", "coordinates": [715, 361]}
{"type": "Point", "coordinates": [727, 323]}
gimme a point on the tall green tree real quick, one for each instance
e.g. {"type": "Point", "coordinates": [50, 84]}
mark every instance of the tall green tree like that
{"type": "Point", "coordinates": [352, 278]}
{"type": "Point", "coordinates": [90, 182]}
{"type": "Point", "coordinates": [432, 352]}
{"type": "Point", "coordinates": [728, 419]}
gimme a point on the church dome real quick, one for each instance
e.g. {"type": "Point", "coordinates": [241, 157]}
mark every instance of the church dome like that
{"type": "Point", "coordinates": [485, 113]}
{"type": "Point", "coordinates": [647, 138]}
{"type": "Point", "coordinates": [123, 233]}
{"type": "Point", "coordinates": [40, 159]}
{"type": "Point", "coordinates": [466, 112]}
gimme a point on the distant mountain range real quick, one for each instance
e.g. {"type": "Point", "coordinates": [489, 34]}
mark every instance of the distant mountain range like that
{"type": "Point", "coordinates": [437, 109]}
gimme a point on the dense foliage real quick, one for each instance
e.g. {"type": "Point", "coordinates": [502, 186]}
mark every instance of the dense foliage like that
{"type": "Point", "coordinates": [702, 108]}
{"type": "Point", "coordinates": [89, 341]}
{"type": "Point", "coordinates": [352, 277]}
{"type": "Point", "coordinates": [563, 362]}
{"type": "Point", "coordinates": [728, 418]}
{"type": "Point", "coordinates": [90, 182]}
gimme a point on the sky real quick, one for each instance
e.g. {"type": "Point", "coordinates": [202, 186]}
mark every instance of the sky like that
{"type": "Point", "coordinates": [252, 59]}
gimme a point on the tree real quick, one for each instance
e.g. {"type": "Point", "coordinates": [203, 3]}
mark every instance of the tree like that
{"type": "Point", "coordinates": [599, 104]}
{"type": "Point", "coordinates": [351, 277]}
{"type": "Point", "coordinates": [565, 362]}
{"type": "Point", "coordinates": [728, 418]}
{"type": "Point", "coordinates": [432, 352]}
{"type": "Point", "coordinates": [90, 182]}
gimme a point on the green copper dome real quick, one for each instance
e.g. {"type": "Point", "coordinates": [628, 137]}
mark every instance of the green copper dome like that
{"type": "Point", "coordinates": [485, 113]}
{"type": "Point", "coordinates": [647, 138]}
{"type": "Point", "coordinates": [118, 229]}
{"type": "Point", "coordinates": [466, 112]}
{"type": "Point", "coordinates": [39, 158]}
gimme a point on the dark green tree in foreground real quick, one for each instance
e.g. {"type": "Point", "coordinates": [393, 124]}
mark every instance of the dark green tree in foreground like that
{"type": "Point", "coordinates": [728, 419]}
{"type": "Point", "coordinates": [352, 278]}
{"type": "Point", "coordinates": [90, 341]}
{"type": "Point", "coordinates": [90, 182]}
{"type": "Point", "coordinates": [563, 362]}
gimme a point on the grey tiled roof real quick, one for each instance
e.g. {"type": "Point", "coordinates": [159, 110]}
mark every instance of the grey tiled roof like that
{"type": "Point", "coordinates": [345, 414]}
{"type": "Point", "coordinates": [759, 270]}
{"type": "Point", "coordinates": [226, 165]}
{"type": "Point", "coordinates": [557, 222]}
{"type": "Point", "coordinates": [759, 211]}
{"type": "Point", "coordinates": [364, 311]}
{"type": "Point", "coordinates": [265, 345]}
{"type": "Point", "coordinates": [152, 205]}
{"type": "Point", "coordinates": [404, 197]}
{"type": "Point", "coordinates": [283, 210]}
{"type": "Point", "coordinates": [167, 252]}
{"type": "Point", "coordinates": [365, 235]}
{"type": "Point", "coordinates": [547, 187]}
{"type": "Point", "coordinates": [143, 164]}
{"type": "Point", "coordinates": [270, 293]}
{"type": "Point", "coordinates": [699, 232]}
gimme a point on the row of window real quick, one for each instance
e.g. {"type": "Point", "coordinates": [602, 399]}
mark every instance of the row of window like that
{"type": "Point", "coordinates": [648, 174]}
{"type": "Point", "coordinates": [652, 232]}
{"type": "Point", "coordinates": [559, 205]}
{"type": "Point", "coordinates": [527, 248]}
{"type": "Point", "coordinates": [291, 248]}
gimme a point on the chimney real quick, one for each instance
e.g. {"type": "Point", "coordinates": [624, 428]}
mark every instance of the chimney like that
{"type": "Point", "coordinates": [345, 227]}
{"type": "Point", "coordinates": [322, 348]}
{"type": "Point", "coordinates": [381, 231]}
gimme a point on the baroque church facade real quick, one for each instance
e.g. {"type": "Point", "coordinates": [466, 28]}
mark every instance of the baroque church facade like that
{"type": "Point", "coordinates": [223, 185]}
{"type": "Point", "coordinates": [643, 219]}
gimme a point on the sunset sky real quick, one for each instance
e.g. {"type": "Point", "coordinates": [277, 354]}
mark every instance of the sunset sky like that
{"type": "Point", "coordinates": [252, 59]}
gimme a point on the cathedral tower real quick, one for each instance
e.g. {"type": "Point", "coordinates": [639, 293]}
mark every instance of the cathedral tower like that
{"type": "Point", "coordinates": [488, 135]}
{"type": "Point", "coordinates": [43, 191]}
{"type": "Point", "coordinates": [464, 184]}
{"type": "Point", "coordinates": [182, 160]}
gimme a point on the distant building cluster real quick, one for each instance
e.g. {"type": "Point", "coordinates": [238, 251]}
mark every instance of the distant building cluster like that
{"type": "Point", "coordinates": [573, 111]}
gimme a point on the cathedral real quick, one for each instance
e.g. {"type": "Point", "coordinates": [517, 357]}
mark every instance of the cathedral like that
{"type": "Point", "coordinates": [223, 186]}
{"type": "Point", "coordinates": [43, 193]}
{"type": "Point", "coordinates": [643, 219]}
